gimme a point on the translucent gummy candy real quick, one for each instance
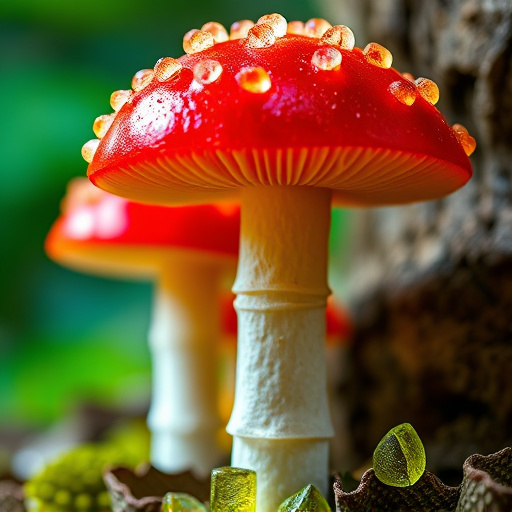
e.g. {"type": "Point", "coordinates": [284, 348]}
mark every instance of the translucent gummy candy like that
{"type": "Point", "coordinates": [377, 55]}
{"type": "Point", "coordinates": [255, 80]}
{"type": "Point", "coordinates": [233, 490]}
{"type": "Point", "coordinates": [239, 29]}
{"type": "Point", "coordinates": [399, 459]}
{"type": "Point", "coordinates": [326, 58]}
{"type": "Point", "coordinates": [308, 499]}
{"type": "Point", "coordinates": [261, 36]}
{"type": "Point", "coordinates": [181, 502]}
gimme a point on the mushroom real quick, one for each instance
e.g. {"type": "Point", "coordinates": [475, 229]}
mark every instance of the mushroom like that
{"type": "Point", "coordinates": [287, 123]}
{"type": "Point", "coordinates": [187, 252]}
{"type": "Point", "coordinates": [338, 334]}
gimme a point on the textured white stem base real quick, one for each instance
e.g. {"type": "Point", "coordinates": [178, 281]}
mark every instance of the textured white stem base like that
{"type": "Point", "coordinates": [280, 420]}
{"type": "Point", "coordinates": [282, 467]}
{"type": "Point", "coordinates": [184, 416]}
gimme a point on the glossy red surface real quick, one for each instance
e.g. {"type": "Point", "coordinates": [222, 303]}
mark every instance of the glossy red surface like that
{"type": "Point", "coordinates": [350, 107]}
{"type": "Point", "coordinates": [116, 227]}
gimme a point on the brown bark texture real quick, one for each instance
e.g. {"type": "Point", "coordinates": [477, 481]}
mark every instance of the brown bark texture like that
{"type": "Point", "coordinates": [431, 284]}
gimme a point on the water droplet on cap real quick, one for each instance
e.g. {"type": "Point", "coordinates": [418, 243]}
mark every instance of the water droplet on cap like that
{"type": "Point", "coordinates": [102, 124]}
{"type": "Point", "coordinates": [404, 91]}
{"type": "Point", "coordinates": [467, 142]}
{"type": "Point", "coordinates": [340, 35]}
{"type": "Point", "coordinates": [119, 98]}
{"type": "Point", "coordinates": [377, 55]}
{"type": "Point", "coordinates": [187, 37]}
{"type": "Point", "coordinates": [255, 80]}
{"type": "Point", "coordinates": [167, 68]}
{"type": "Point", "coordinates": [428, 89]}
{"type": "Point", "coordinates": [197, 40]}
{"type": "Point", "coordinates": [217, 30]}
{"type": "Point", "coordinates": [459, 128]}
{"type": "Point", "coordinates": [295, 27]}
{"type": "Point", "coordinates": [239, 29]}
{"type": "Point", "coordinates": [316, 27]}
{"type": "Point", "coordinates": [261, 36]}
{"type": "Point", "coordinates": [89, 149]}
{"type": "Point", "coordinates": [276, 21]}
{"type": "Point", "coordinates": [207, 71]}
{"type": "Point", "coordinates": [141, 79]}
{"type": "Point", "coordinates": [326, 58]}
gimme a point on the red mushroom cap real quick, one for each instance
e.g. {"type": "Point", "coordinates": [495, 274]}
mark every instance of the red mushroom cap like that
{"type": "Point", "coordinates": [298, 111]}
{"type": "Point", "coordinates": [101, 233]}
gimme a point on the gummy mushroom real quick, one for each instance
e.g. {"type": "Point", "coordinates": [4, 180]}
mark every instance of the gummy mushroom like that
{"type": "Point", "coordinates": [288, 122]}
{"type": "Point", "coordinates": [186, 251]}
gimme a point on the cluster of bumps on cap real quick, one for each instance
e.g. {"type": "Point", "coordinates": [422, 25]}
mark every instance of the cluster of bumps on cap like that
{"type": "Point", "coordinates": [263, 34]}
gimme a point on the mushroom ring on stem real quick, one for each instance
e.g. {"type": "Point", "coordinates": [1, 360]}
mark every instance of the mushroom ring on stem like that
{"type": "Point", "coordinates": [287, 118]}
{"type": "Point", "coordinates": [187, 251]}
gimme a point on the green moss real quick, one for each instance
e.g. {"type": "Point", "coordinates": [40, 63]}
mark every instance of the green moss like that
{"type": "Point", "coordinates": [74, 482]}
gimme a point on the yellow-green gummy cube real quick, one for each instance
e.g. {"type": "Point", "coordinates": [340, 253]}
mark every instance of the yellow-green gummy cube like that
{"type": "Point", "coordinates": [233, 490]}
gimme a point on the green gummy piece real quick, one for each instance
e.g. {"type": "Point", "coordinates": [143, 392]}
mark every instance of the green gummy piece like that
{"type": "Point", "coordinates": [308, 499]}
{"type": "Point", "coordinates": [399, 459]}
{"type": "Point", "coordinates": [181, 502]}
{"type": "Point", "coordinates": [233, 490]}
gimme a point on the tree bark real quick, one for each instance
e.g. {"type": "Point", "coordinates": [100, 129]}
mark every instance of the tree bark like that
{"type": "Point", "coordinates": [431, 284]}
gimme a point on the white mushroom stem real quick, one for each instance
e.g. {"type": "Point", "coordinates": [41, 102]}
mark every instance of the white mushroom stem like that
{"type": "Point", "coordinates": [280, 420]}
{"type": "Point", "coordinates": [184, 416]}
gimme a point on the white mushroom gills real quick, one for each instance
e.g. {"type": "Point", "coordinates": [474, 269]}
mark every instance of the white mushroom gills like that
{"type": "Point", "coordinates": [184, 332]}
{"type": "Point", "coordinates": [280, 421]}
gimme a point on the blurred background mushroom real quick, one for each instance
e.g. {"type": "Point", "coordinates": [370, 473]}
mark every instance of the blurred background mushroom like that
{"type": "Point", "coordinates": [445, 264]}
{"type": "Point", "coordinates": [190, 255]}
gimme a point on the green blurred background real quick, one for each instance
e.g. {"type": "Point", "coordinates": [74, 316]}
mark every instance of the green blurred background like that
{"type": "Point", "coordinates": [66, 337]}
